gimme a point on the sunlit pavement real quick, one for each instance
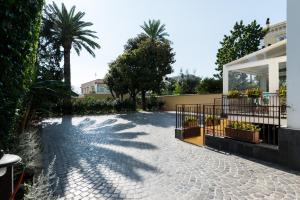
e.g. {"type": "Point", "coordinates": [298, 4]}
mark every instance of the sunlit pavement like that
{"type": "Point", "coordinates": [135, 156]}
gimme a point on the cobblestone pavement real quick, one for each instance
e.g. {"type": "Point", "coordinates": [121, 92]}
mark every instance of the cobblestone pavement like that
{"type": "Point", "coordinates": [135, 156]}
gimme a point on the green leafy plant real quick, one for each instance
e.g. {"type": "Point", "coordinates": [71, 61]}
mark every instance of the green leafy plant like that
{"type": "Point", "coordinates": [244, 126]}
{"type": "Point", "coordinates": [90, 105]}
{"type": "Point", "coordinates": [190, 121]}
{"type": "Point", "coordinates": [212, 120]}
{"type": "Point", "coordinates": [282, 91]}
{"type": "Point", "coordinates": [19, 31]}
{"type": "Point", "coordinates": [234, 94]}
{"type": "Point", "coordinates": [253, 92]}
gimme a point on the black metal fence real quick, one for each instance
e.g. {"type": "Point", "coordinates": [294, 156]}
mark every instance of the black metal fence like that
{"type": "Point", "coordinates": [218, 117]}
{"type": "Point", "coordinates": [188, 115]}
{"type": "Point", "coordinates": [214, 119]}
{"type": "Point", "coordinates": [263, 102]}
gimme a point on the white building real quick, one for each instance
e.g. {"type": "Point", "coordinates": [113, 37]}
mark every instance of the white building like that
{"type": "Point", "coordinates": [268, 64]}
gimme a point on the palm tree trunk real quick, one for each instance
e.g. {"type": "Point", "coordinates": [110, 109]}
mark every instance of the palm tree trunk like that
{"type": "Point", "coordinates": [67, 76]}
{"type": "Point", "coordinates": [144, 100]}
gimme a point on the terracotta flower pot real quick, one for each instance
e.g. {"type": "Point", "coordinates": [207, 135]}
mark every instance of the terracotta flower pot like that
{"type": "Point", "coordinates": [242, 135]}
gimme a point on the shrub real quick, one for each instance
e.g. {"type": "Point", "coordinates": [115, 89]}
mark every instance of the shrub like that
{"type": "Point", "coordinates": [244, 126]}
{"type": "Point", "coordinates": [44, 186]}
{"type": "Point", "coordinates": [19, 30]}
{"type": "Point", "coordinates": [190, 122]}
{"type": "Point", "coordinates": [234, 94]}
{"type": "Point", "coordinates": [282, 91]}
{"type": "Point", "coordinates": [90, 105]}
{"type": "Point", "coordinates": [253, 92]}
{"type": "Point", "coordinates": [153, 103]}
{"type": "Point", "coordinates": [212, 120]}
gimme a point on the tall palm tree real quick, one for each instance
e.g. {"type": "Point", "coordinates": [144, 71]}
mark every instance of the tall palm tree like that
{"type": "Point", "coordinates": [155, 30]}
{"type": "Point", "coordinates": [70, 31]}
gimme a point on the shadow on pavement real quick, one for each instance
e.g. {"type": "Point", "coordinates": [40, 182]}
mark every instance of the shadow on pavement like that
{"type": "Point", "coordinates": [82, 154]}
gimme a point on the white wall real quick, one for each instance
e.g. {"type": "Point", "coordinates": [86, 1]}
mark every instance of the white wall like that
{"type": "Point", "coordinates": [293, 63]}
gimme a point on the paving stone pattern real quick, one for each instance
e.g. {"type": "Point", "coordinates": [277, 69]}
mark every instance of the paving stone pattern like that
{"type": "Point", "coordinates": [135, 156]}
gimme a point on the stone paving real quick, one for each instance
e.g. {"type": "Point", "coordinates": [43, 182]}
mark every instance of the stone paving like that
{"type": "Point", "coordinates": [135, 156]}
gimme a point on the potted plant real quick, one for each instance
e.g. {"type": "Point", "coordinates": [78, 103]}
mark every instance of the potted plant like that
{"type": "Point", "coordinates": [282, 96]}
{"type": "Point", "coordinates": [190, 122]}
{"type": "Point", "coordinates": [253, 92]}
{"type": "Point", "coordinates": [212, 120]}
{"type": "Point", "coordinates": [243, 131]}
{"type": "Point", "coordinates": [234, 94]}
{"type": "Point", "coordinates": [190, 128]}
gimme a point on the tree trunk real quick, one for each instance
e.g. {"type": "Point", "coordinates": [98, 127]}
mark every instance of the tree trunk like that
{"type": "Point", "coordinates": [67, 109]}
{"type": "Point", "coordinates": [133, 97]}
{"type": "Point", "coordinates": [144, 100]}
{"type": "Point", "coordinates": [26, 116]}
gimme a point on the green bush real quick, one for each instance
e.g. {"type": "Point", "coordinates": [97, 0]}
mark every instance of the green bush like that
{"type": "Point", "coordinates": [154, 104]}
{"type": "Point", "coordinates": [19, 31]}
{"type": "Point", "coordinates": [89, 105]}
{"type": "Point", "coordinates": [234, 94]}
{"type": "Point", "coordinates": [253, 92]}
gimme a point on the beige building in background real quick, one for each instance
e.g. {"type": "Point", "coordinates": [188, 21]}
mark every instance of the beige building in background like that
{"type": "Point", "coordinates": [94, 87]}
{"type": "Point", "coordinates": [277, 33]}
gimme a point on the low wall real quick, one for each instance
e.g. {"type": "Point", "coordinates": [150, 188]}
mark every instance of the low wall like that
{"type": "Point", "coordinates": [286, 154]}
{"type": "Point", "coordinates": [172, 100]}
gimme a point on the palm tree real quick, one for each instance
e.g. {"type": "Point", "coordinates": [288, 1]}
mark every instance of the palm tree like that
{"type": "Point", "coordinates": [70, 32]}
{"type": "Point", "coordinates": [155, 30]}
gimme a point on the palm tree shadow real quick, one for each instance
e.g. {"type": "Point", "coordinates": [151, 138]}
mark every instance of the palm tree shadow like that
{"type": "Point", "coordinates": [81, 152]}
{"type": "Point", "coordinates": [158, 119]}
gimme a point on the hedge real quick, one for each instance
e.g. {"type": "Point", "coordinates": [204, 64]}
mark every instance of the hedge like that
{"type": "Point", "coordinates": [19, 31]}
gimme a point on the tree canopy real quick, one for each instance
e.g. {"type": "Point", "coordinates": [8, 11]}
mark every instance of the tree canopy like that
{"type": "Point", "coordinates": [242, 40]}
{"type": "Point", "coordinates": [141, 68]}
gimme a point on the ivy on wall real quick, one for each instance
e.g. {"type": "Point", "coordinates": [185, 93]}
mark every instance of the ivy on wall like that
{"type": "Point", "coordinates": [19, 31]}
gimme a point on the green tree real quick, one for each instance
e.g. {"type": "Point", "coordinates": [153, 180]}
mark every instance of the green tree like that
{"type": "Point", "coordinates": [243, 40]}
{"type": "Point", "coordinates": [70, 31]}
{"type": "Point", "coordinates": [49, 54]}
{"type": "Point", "coordinates": [186, 83]}
{"type": "Point", "coordinates": [115, 80]}
{"type": "Point", "coordinates": [156, 57]}
{"type": "Point", "coordinates": [209, 85]}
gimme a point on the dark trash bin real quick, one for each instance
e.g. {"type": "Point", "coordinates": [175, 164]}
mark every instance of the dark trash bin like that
{"type": "Point", "coordinates": [7, 163]}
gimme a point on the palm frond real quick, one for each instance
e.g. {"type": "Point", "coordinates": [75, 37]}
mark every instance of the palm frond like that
{"type": "Point", "coordinates": [68, 28]}
{"type": "Point", "coordinates": [155, 30]}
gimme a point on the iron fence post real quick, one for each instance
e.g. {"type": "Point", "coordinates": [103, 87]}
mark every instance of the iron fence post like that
{"type": "Point", "coordinates": [176, 116]}
{"type": "Point", "coordinates": [214, 120]}
{"type": "Point", "coordinates": [183, 116]}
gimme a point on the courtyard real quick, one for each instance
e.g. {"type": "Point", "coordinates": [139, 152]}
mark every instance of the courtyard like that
{"type": "Point", "coordinates": [135, 156]}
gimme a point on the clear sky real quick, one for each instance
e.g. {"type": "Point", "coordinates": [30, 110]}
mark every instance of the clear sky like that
{"type": "Point", "coordinates": [195, 27]}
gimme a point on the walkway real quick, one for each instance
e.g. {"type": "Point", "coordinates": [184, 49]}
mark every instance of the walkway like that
{"type": "Point", "coordinates": [135, 156]}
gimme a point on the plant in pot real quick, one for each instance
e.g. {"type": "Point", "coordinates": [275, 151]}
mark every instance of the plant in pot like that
{"type": "Point", "coordinates": [234, 94]}
{"type": "Point", "coordinates": [190, 122]}
{"type": "Point", "coordinates": [282, 96]}
{"type": "Point", "coordinates": [212, 120]}
{"type": "Point", "coordinates": [190, 128]}
{"type": "Point", "coordinates": [253, 92]}
{"type": "Point", "coordinates": [243, 131]}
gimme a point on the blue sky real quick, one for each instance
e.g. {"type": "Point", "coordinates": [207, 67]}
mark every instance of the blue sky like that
{"type": "Point", "coordinates": [195, 28]}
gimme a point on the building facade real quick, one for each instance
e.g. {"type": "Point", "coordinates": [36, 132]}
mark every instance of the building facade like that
{"type": "Point", "coordinates": [268, 64]}
{"type": "Point", "coordinates": [276, 33]}
{"type": "Point", "coordinates": [94, 87]}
